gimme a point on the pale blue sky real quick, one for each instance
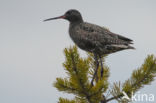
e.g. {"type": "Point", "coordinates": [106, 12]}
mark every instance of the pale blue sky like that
{"type": "Point", "coordinates": [31, 51]}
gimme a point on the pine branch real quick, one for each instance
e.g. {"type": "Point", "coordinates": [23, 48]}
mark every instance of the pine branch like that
{"type": "Point", "coordinates": [75, 100]}
{"type": "Point", "coordinates": [140, 77]}
{"type": "Point", "coordinates": [77, 69]}
{"type": "Point", "coordinates": [62, 100]}
{"type": "Point", "coordinates": [64, 85]}
{"type": "Point", "coordinates": [78, 79]}
{"type": "Point", "coordinates": [80, 71]}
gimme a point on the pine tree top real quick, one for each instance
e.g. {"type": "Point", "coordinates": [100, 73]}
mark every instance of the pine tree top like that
{"type": "Point", "coordinates": [80, 72]}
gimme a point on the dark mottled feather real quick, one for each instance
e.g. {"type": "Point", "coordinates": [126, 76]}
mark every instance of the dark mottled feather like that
{"type": "Point", "coordinates": [94, 38]}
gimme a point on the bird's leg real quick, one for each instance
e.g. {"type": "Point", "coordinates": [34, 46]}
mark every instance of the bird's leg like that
{"type": "Point", "coordinates": [96, 69]}
{"type": "Point", "coordinates": [101, 66]}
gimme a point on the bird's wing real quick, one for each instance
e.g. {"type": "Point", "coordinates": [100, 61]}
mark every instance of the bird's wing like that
{"type": "Point", "coordinates": [97, 35]}
{"type": "Point", "coordinates": [122, 38]}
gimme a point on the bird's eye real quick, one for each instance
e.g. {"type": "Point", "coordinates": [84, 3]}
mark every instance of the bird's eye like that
{"type": "Point", "coordinates": [69, 13]}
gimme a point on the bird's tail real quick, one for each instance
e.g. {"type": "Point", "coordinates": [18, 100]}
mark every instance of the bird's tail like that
{"type": "Point", "coordinates": [130, 47]}
{"type": "Point", "coordinates": [123, 46]}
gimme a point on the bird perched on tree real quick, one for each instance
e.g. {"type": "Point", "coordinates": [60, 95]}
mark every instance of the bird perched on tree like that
{"type": "Point", "coordinates": [93, 38]}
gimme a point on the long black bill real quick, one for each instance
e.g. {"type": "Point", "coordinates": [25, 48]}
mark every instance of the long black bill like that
{"type": "Point", "coordinates": [60, 17]}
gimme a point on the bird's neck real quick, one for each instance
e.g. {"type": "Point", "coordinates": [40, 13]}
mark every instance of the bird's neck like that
{"type": "Point", "coordinates": [73, 26]}
{"type": "Point", "coordinates": [74, 23]}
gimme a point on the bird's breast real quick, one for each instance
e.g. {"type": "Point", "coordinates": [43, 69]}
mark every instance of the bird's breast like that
{"type": "Point", "coordinates": [74, 35]}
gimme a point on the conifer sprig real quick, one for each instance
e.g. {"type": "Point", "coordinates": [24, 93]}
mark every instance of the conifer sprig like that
{"type": "Point", "coordinates": [140, 77]}
{"type": "Point", "coordinates": [80, 72]}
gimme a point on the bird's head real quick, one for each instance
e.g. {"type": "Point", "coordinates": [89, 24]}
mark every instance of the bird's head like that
{"type": "Point", "coordinates": [71, 15]}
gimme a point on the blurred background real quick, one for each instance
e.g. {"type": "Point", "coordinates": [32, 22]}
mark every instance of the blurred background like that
{"type": "Point", "coordinates": [31, 51]}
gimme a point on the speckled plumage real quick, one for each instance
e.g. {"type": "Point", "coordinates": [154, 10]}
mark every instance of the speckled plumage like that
{"type": "Point", "coordinates": [96, 39]}
{"type": "Point", "coordinates": [93, 38]}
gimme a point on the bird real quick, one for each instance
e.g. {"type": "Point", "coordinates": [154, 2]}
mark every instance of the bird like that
{"type": "Point", "coordinates": [93, 38]}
